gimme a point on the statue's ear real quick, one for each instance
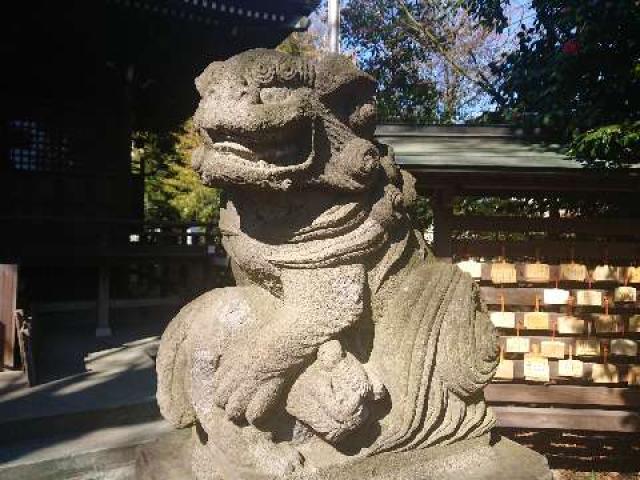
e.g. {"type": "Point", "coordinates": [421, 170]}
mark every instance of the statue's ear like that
{"type": "Point", "coordinates": [337, 74]}
{"type": "Point", "coordinates": [204, 79]}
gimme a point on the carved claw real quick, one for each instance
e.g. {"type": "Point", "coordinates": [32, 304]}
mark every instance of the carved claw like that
{"type": "Point", "coordinates": [243, 391]}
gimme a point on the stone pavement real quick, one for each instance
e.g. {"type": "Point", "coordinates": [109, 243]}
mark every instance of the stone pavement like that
{"type": "Point", "coordinates": [84, 425]}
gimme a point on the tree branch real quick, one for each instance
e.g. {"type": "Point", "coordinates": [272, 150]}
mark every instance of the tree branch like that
{"type": "Point", "coordinates": [425, 36]}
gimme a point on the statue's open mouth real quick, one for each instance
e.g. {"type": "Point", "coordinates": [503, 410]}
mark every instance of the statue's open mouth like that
{"type": "Point", "coordinates": [283, 150]}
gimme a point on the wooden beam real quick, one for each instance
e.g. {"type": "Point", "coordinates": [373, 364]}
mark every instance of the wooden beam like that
{"type": "Point", "coordinates": [441, 203]}
{"type": "Point", "coordinates": [551, 250]}
{"type": "Point", "coordinates": [497, 393]}
{"type": "Point", "coordinates": [608, 227]}
{"type": "Point", "coordinates": [580, 419]}
{"type": "Point", "coordinates": [524, 181]}
{"type": "Point", "coordinates": [8, 294]}
{"type": "Point", "coordinates": [103, 328]}
{"type": "Point", "coordinates": [121, 303]}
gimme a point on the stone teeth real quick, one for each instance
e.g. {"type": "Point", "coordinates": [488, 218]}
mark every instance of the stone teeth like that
{"type": "Point", "coordinates": [233, 147]}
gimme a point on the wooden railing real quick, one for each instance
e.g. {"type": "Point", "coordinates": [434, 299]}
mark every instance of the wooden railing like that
{"type": "Point", "coordinates": [86, 237]}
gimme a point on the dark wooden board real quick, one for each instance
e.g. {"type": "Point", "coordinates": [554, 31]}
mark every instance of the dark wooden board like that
{"type": "Point", "coordinates": [566, 395]}
{"type": "Point", "coordinates": [554, 250]}
{"type": "Point", "coordinates": [578, 419]}
{"type": "Point", "coordinates": [611, 227]}
{"type": "Point", "coordinates": [8, 289]}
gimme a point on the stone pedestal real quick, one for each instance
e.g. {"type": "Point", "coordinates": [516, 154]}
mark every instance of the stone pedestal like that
{"type": "Point", "coordinates": [478, 459]}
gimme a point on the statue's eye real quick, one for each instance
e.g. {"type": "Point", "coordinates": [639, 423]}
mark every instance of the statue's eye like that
{"type": "Point", "coordinates": [274, 94]}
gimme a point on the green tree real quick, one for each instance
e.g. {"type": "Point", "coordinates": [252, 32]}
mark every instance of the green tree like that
{"type": "Point", "coordinates": [173, 191]}
{"type": "Point", "coordinates": [430, 58]}
{"type": "Point", "coordinates": [371, 30]}
{"type": "Point", "coordinates": [576, 73]}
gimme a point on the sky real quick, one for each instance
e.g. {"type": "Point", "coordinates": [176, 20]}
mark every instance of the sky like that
{"type": "Point", "coordinates": [518, 12]}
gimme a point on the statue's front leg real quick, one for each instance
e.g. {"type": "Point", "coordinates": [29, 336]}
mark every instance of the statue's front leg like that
{"type": "Point", "coordinates": [318, 305]}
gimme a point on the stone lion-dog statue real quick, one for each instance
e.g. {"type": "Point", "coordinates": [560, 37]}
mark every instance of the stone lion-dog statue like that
{"type": "Point", "coordinates": [345, 350]}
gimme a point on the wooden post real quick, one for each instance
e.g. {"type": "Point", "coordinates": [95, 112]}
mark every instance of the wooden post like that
{"type": "Point", "coordinates": [441, 202]}
{"type": "Point", "coordinates": [8, 292]}
{"type": "Point", "coordinates": [103, 329]}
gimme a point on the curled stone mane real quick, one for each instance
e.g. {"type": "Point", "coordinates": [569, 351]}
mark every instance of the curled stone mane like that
{"type": "Point", "coordinates": [345, 350]}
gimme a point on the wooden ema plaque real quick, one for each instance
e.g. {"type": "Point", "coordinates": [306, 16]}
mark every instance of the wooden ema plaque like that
{"type": "Point", "coordinates": [604, 373]}
{"type": "Point", "coordinates": [633, 375]}
{"type": "Point", "coordinates": [625, 294]}
{"type": "Point", "coordinates": [633, 274]}
{"type": "Point", "coordinates": [552, 349]}
{"type": "Point", "coordinates": [503, 319]}
{"type": "Point", "coordinates": [573, 272]}
{"type": "Point", "coordinates": [606, 323]}
{"type": "Point", "coordinates": [587, 347]}
{"type": "Point", "coordinates": [505, 370]}
{"type": "Point", "coordinates": [605, 273]}
{"type": "Point", "coordinates": [568, 324]}
{"type": "Point", "coordinates": [536, 367]}
{"type": "Point", "coordinates": [537, 273]}
{"type": "Point", "coordinates": [536, 320]}
{"type": "Point", "coordinates": [471, 267]}
{"type": "Point", "coordinates": [634, 323]}
{"type": "Point", "coordinates": [517, 345]}
{"type": "Point", "coordinates": [592, 298]}
{"type": "Point", "coordinates": [555, 296]}
{"type": "Point", "coordinates": [624, 347]}
{"type": "Point", "coordinates": [571, 367]}
{"type": "Point", "coordinates": [503, 273]}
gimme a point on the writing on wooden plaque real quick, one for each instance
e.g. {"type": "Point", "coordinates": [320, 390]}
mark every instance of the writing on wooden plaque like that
{"type": "Point", "coordinates": [502, 273]}
{"type": "Point", "coordinates": [568, 324]}
{"type": "Point", "coordinates": [625, 294]}
{"type": "Point", "coordinates": [633, 274]}
{"type": "Point", "coordinates": [503, 319]}
{"type": "Point", "coordinates": [624, 347]}
{"type": "Point", "coordinates": [537, 272]}
{"type": "Point", "coordinates": [634, 323]}
{"type": "Point", "coordinates": [536, 321]}
{"type": "Point", "coordinates": [587, 348]}
{"type": "Point", "coordinates": [517, 345]}
{"type": "Point", "coordinates": [555, 296]}
{"type": "Point", "coordinates": [604, 373]}
{"type": "Point", "coordinates": [633, 375]}
{"type": "Point", "coordinates": [536, 367]}
{"type": "Point", "coordinates": [589, 297]}
{"type": "Point", "coordinates": [573, 272]}
{"type": "Point", "coordinates": [571, 368]}
{"type": "Point", "coordinates": [552, 349]}
{"type": "Point", "coordinates": [471, 267]}
{"type": "Point", "coordinates": [605, 273]}
{"type": "Point", "coordinates": [607, 323]}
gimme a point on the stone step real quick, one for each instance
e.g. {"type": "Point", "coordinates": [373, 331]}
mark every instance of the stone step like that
{"type": "Point", "coordinates": [104, 454]}
{"type": "Point", "coordinates": [118, 388]}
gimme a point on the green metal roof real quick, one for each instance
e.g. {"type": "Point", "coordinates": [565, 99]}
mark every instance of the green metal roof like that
{"type": "Point", "coordinates": [472, 147]}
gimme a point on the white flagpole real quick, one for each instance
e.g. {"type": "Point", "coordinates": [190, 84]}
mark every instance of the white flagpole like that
{"type": "Point", "coordinates": [334, 26]}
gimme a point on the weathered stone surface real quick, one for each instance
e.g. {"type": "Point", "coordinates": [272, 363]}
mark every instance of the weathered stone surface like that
{"type": "Point", "coordinates": [344, 349]}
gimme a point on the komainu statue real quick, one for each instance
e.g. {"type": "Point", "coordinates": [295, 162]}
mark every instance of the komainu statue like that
{"type": "Point", "coordinates": [345, 350]}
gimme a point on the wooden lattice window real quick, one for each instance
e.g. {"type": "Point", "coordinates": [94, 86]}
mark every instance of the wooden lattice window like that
{"type": "Point", "coordinates": [35, 147]}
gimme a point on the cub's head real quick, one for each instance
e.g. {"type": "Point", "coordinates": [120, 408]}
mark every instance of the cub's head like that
{"type": "Point", "coordinates": [273, 121]}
